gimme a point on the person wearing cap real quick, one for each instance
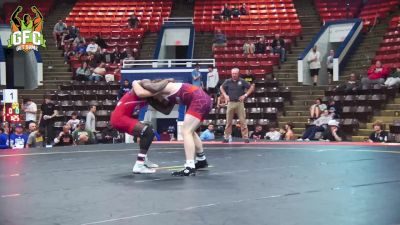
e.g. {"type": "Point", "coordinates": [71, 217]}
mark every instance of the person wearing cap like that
{"type": "Point", "coordinates": [196, 76]}
{"type": "Point", "coordinates": [64, 138]}
{"type": "Point", "coordinates": [18, 139]}
{"type": "Point", "coordinates": [333, 133]}
{"type": "Point", "coordinates": [30, 109]}
{"type": "Point", "coordinates": [47, 114]}
{"type": "Point", "coordinates": [36, 139]}
{"type": "Point", "coordinates": [83, 136]}
{"type": "Point", "coordinates": [379, 135]}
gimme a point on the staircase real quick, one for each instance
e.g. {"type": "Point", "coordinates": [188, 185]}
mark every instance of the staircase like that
{"type": "Point", "coordinates": [149, 44]}
{"type": "Point", "coordinates": [55, 72]}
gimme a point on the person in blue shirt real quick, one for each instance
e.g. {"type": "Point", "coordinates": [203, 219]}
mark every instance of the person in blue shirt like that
{"type": "Point", "coordinates": [196, 76]}
{"type": "Point", "coordinates": [18, 139]}
{"type": "Point", "coordinates": [3, 139]}
{"type": "Point", "coordinates": [208, 134]}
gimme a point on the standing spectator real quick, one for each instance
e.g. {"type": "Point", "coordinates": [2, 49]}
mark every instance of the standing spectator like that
{"type": "Point", "coordinates": [248, 47]}
{"type": "Point", "coordinates": [133, 21]}
{"type": "Point", "coordinates": [333, 133]}
{"type": "Point", "coordinates": [91, 119]}
{"type": "Point", "coordinates": [243, 9]}
{"type": "Point", "coordinates": [260, 46]}
{"type": "Point", "coordinates": [233, 90]}
{"type": "Point", "coordinates": [58, 30]}
{"type": "Point", "coordinates": [208, 134]}
{"type": "Point", "coordinates": [273, 134]}
{"type": "Point", "coordinates": [64, 138]}
{"type": "Point", "coordinates": [393, 79]}
{"type": "Point", "coordinates": [314, 59]}
{"type": "Point", "coordinates": [36, 139]}
{"type": "Point", "coordinates": [109, 134]}
{"type": "Point", "coordinates": [287, 132]}
{"type": "Point", "coordinates": [31, 127]}
{"type": "Point", "coordinates": [100, 41]}
{"type": "Point", "coordinates": [258, 133]}
{"type": "Point", "coordinates": [379, 135]}
{"type": "Point", "coordinates": [212, 79]}
{"type": "Point", "coordinates": [125, 88]}
{"type": "Point", "coordinates": [226, 12]}
{"type": "Point", "coordinates": [317, 108]}
{"type": "Point", "coordinates": [30, 109]}
{"type": "Point", "coordinates": [18, 139]}
{"type": "Point", "coordinates": [47, 114]}
{"type": "Point", "coordinates": [278, 47]}
{"type": "Point", "coordinates": [235, 11]}
{"type": "Point", "coordinates": [219, 39]}
{"type": "Point", "coordinates": [329, 64]}
{"type": "Point", "coordinates": [83, 72]}
{"type": "Point", "coordinates": [83, 136]}
{"type": "Point", "coordinates": [99, 72]}
{"type": "Point", "coordinates": [3, 139]}
{"type": "Point", "coordinates": [318, 125]}
{"type": "Point", "coordinates": [196, 76]}
{"type": "Point", "coordinates": [376, 74]}
{"type": "Point", "coordinates": [248, 76]}
{"type": "Point", "coordinates": [93, 47]}
{"type": "Point", "coordinates": [74, 121]}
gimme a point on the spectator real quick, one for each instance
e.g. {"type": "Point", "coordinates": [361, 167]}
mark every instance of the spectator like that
{"type": "Point", "coordinates": [393, 79]}
{"type": "Point", "coordinates": [30, 109]}
{"type": "Point", "coordinates": [18, 139]}
{"type": "Point", "coordinates": [73, 31]}
{"type": "Point", "coordinates": [36, 139]}
{"type": "Point", "coordinates": [3, 139]}
{"type": "Point", "coordinates": [234, 92]}
{"type": "Point", "coordinates": [319, 125]}
{"type": "Point", "coordinates": [258, 133]}
{"type": "Point", "coordinates": [208, 134]}
{"type": "Point", "coordinates": [379, 135]}
{"type": "Point", "coordinates": [100, 41]}
{"type": "Point", "coordinates": [317, 108]}
{"type": "Point", "coordinates": [65, 137]}
{"type": "Point", "coordinates": [121, 55]}
{"type": "Point", "coordinates": [108, 56]}
{"type": "Point", "coordinates": [235, 11]}
{"type": "Point", "coordinates": [243, 9]}
{"type": "Point", "coordinates": [196, 76]}
{"type": "Point", "coordinates": [99, 72]}
{"type": "Point", "coordinates": [219, 39]}
{"type": "Point", "coordinates": [58, 30]}
{"type": "Point", "coordinates": [333, 133]}
{"type": "Point", "coordinates": [67, 40]}
{"type": "Point", "coordinates": [226, 12]}
{"type": "Point", "coordinates": [91, 119]}
{"type": "Point", "coordinates": [93, 47]}
{"type": "Point", "coordinates": [109, 134]}
{"type": "Point", "coordinates": [74, 121]}
{"type": "Point", "coordinates": [31, 127]}
{"type": "Point", "coordinates": [212, 79]}
{"type": "Point", "coordinates": [92, 61]}
{"type": "Point", "coordinates": [248, 76]}
{"type": "Point", "coordinates": [287, 132]}
{"type": "Point", "coordinates": [133, 21]}
{"type": "Point", "coordinates": [125, 88]}
{"type": "Point", "coordinates": [83, 72]}
{"type": "Point", "coordinates": [48, 112]}
{"type": "Point", "coordinates": [314, 59]}
{"type": "Point", "coordinates": [248, 47]}
{"type": "Point", "coordinates": [79, 39]}
{"type": "Point", "coordinates": [260, 46]}
{"type": "Point", "coordinates": [278, 47]}
{"type": "Point", "coordinates": [376, 74]}
{"type": "Point", "coordinates": [80, 49]}
{"type": "Point", "coordinates": [273, 134]}
{"type": "Point", "coordinates": [334, 109]}
{"type": "Point", "coordinates": [83, 136]}
{"type": "Point", "coordinates": [6, 127]}
{"type": "Point", "coordinates": [221, 101]}
{"type": "Point", "coordinates": [352, 84]}
{"type": "Point", "coordinates": [329, 63]}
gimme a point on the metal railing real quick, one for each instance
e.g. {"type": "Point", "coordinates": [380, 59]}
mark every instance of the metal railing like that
{"type": "Point", "coordinates": [178, 20]}
{"type": "Point", "coordinates": [166, 63]}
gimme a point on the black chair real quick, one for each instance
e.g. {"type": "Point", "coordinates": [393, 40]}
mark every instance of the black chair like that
{"type": "Point", "coordinates": [101, 125]}
{"type": "Point", "coordinates": [270, 113]}
{"type": "Point", "coordinates": [278, 103]}
{"type": "Point", "coordinates": [108, 105]}
{"type": "Point", "coordinates": [212, 115]}
{"type": "Point", "coordinates": [66, 105]}
{"type": "Point", "coordinates": [263, 102]}
{"type": "Point", "coordinates": [77, 95]}
{"type": "Point", "coordinates": [66, 86]}
{"type": "Point", "coordinates": [90, 95]}
{"type": "Point", "coordinates": [260, 92]}
{"type": "Point", "coordinates": [63, 95]}
{"type": "Point", "coordinates": [80, 105]}
{"type": "Point", "coordinates": [250, 102]}
{"type": "Point", "coordinates": [103, 115]}
{"type": "Point", "coordinates": [254, 113]}
{"type": "Point", "coordinates": [58, 126]}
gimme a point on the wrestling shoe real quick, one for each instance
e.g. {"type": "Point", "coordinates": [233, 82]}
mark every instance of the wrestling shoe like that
{"type": "Point", "coordinates": [149, 164]}
{"type": "Point", "coordinates": [142, 169]}
{"type": "Point", "coordinates": [200, 164]}
{"type": "Point", "coordinates": [185, 172]}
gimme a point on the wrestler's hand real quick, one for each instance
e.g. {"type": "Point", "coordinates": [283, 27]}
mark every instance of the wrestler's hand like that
{"type": "Point", "coordinates": [242, 98]}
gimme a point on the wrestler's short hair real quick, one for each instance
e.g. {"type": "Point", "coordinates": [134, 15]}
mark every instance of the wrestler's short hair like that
{"type": "Point", "coordinates": [235, 69]}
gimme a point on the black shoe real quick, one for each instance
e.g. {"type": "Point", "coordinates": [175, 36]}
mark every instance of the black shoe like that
{"type": "Point", "coordinates": [225, 141]}
{"type": "Point", "coordinates": [201, 164]}
{"type": "Point", "coordinates": [246, 141]}
{"type": "Point", "coordinates": [185, 172]}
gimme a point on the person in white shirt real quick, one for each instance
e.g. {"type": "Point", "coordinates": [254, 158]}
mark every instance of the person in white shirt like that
{"type": "Point", "coordinates": [92, 47]}
{"type": "Point", "coordinates": [273, 134]}
{"type": "Point", "coordinates": [74, 121]}
{"type": "Point", "coordinates": [329, 62]}
{"type": "Point", "coordinates": [212, 79]}
{"type": "Point", "coordinates": [314, 59]}
{"type": "Point", "coordinates": [91, 119]}
{"type": "Point", "coordinates": [58, 30]}
{"type": "Point", "coordinates": [30, 109]}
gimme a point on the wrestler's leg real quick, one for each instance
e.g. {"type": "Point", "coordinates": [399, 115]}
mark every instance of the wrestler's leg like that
{"type": "Point", "coordinates": [201, 161]}
{"type": "Point", "coordinates": [146, 134]}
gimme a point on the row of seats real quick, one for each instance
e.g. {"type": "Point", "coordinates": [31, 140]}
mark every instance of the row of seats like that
{"type": "Point", "coordinates": [269, 113]}
{"type": "Point", "coordinates": [388, 52]}
{"type": "Point", "coordinates": [239, 41]}
{"type": "Point", "coordinates": [375, 10]}
{"type": "Point", "coordinates": [84, 95]}
{"type": "Point", "coordinates": [89, 85]}
{"type": "Point", "coordinates": [251, 123]}
{"type": "Point", "coordinates": [79, 105]}
{"type": "Point", "coordinates": [365, 89]}
{"type": "Point", "coordinates": [329, 10]}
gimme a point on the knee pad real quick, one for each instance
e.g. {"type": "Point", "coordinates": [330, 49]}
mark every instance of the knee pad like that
{"type": "Point", "coordinates": [146, 137]}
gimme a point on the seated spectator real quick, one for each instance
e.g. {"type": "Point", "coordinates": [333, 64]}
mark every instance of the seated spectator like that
{"type": "Point", "coordinates": [100, 41]}
{"type": "Point", "coordinates": [114, 76]}
{"type": "Point", "coordinates": [58, 30]}
{"type": "Point", "coordinates": [121, 55]}
{"type": "Point", "coordinates": [243, 9]}
{"type": "Point", "coordinates": [334, 109]}
{"type": "Point", "coordinates": [99, 72]}
{"type": "Point", "coordinates": [235, 11]}
{"type": "Point", "coordinates": [157, 136]}
{"type": "Point", "coordinates": [219, 39]}
{"type": "Point", "coordinates": [74, 121]}
{"type": "Point", "coordinates": [317, 108]}
{"type": "Point", "coordinates": [18, 139]}
{"type": "Point", "coordinates": [133, 21]}
{"type": "Point", "coordinates": [248, 47]}
{"type": "Point", "coordinates": [318, 125]}
{"type": "Point", "coordinates": [226, 12]}
{"type": "Point", "coordinates": [83, 136]}
{"type": "Point", "coordinates": [64, 138]}
{"type": "Point", "coordinates": [248, 76]}
{"type": "Point", "coordinates": [125, 88]}
{"type": "Point", "coordinates": [32, 127]}
{"type": "Point", "coordinates": [273, 134]}
{"type": "Point", "coordinates": [73, 31]}
{"type": "Point", "coordinates": [287, 132]}
{"type": "Point", "coordinates": [379, 135]}
{"type": "Point", "coordinates": [3, 139]}
{"type": "Point", "coordinates": [36, 139]}
{"type": "Point", "coordinates": [80, 49]}
{"type": "Point", "coordinates": [83, 72]}
{"type": "Point", "coordinates": [258, 133]}
{"type": "Point", "coordinates": [260, 46]}
{"type": "Point", "coordinates": [221, 102]}
{"type": "Point", "coordinates": [212, 80]}
{"type": "Point", "coordinates": [333, 133]}
{"type": "Point", "coordinates": [108, 56]}
{"type": "Point", "coordinates": [352, 84]}
{"type": "Point", "coordinates": [93, 47]}
{"type": "Point", "coordinates": [66, 40]}
{"type": "Point", "coordinates": [208, 134]}
{"type": "Point", "coordinates": [108, 135]}
{"type": "Point", "coordinates": [376, 74]}
{"type": "Point", "coordinates": [393, 79]}
{"type": "Point", "coordinates": [78, 40]}
{"type": "Point", "coordinates": [92, 61]}
{"type": "Point", "coordinates": [278, 47]}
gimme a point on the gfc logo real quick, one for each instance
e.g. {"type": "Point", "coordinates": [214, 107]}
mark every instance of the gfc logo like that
{"type": "Point", "coordinates": [26, 33]}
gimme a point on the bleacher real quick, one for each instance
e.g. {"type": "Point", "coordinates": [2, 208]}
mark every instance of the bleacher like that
{"type": "Point", "coordinates": [335, 10]}
{"type": "Point", "coordinates": [375, 10]}
{"type": "Point", "coordinates": [389, 50]}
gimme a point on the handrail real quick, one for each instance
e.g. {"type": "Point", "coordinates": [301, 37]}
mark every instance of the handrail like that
{"type": "Point", "coordinates": [178, 20]}
{"type": "Point", "coordinates": [129, 63]}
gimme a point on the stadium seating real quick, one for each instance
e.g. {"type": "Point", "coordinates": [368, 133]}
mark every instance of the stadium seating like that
{"type": "Point", "coordinates": [335, 10]}
{"type": "Point", "coordinates": [389, 50]}
{"type": "Point", "coordinates": [375, 10]}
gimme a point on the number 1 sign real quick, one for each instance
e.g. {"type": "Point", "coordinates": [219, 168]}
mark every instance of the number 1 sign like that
{"type": "Point", "coordinates": [10, 95]}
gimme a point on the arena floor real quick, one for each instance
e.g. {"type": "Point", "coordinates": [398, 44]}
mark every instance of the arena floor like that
{"type": "Point", "coordinates": [285, 183]}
